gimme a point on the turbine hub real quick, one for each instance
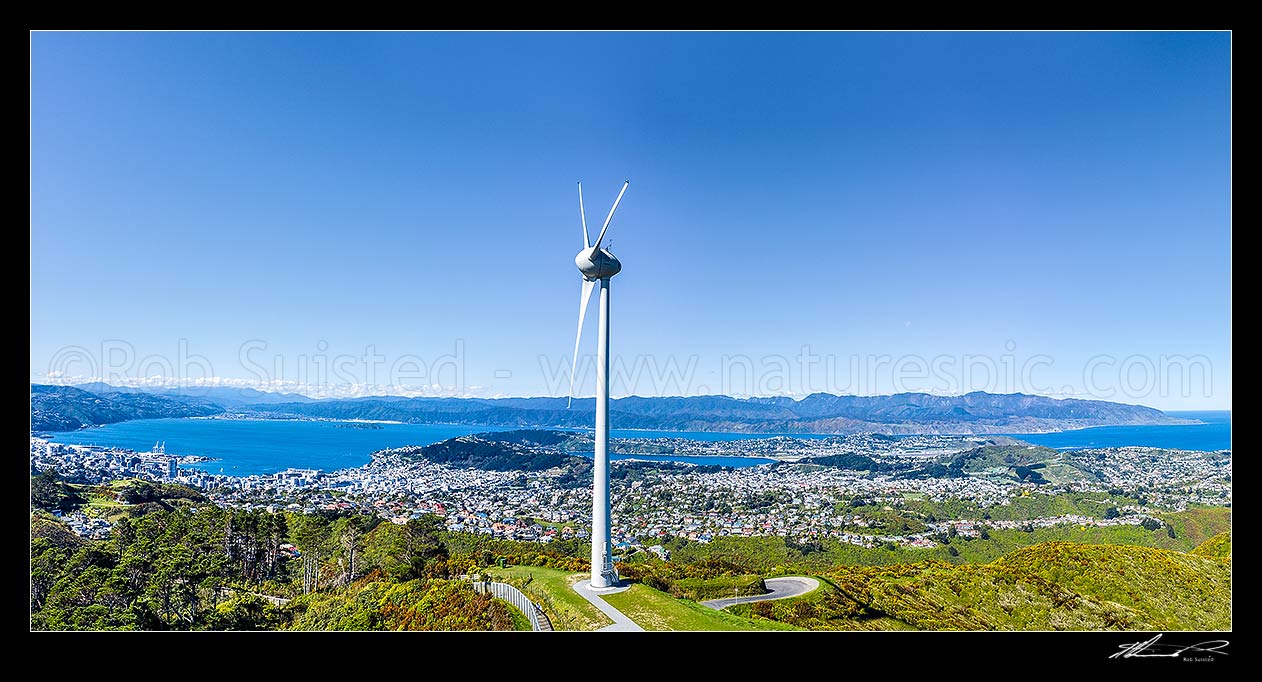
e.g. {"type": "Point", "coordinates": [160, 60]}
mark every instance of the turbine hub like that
{"type": "Point", "coordinates": [597, 264]}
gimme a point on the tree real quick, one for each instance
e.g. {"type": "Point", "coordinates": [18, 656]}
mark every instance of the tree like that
{"type": "Point", "coordinates": [243, 612]}
{"type": "Point", "coordinates": [49, 491]}
{"type": "Point", "coordinates": [350, 532]}
{"type": "Point", "coordinates": [985, 534]}
{"type": "Point", "coordinates": [1111, 513]}
{"type": "Point", "coordinates": [350, 542]}
{"type": "Point", "coordinates": [139, 492]}
{"type": "Point", "coordinates": [124, 533]}
{"type": "Point", "coordinates": [422, 543]}
{"type": "Point", "coordinates": [953, 551]}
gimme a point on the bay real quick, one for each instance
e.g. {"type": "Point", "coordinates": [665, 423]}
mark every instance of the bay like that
{"type": "Point", "coordinates": [265, 446]}
{"type": "Point", "coordinates": [242, 447]}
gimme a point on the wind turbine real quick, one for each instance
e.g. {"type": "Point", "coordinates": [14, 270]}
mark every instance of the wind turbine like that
{"type": "Point", "coordinates": [598, 265]}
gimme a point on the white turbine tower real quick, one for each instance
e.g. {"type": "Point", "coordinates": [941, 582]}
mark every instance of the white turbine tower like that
{"type": "Point", "coordinates": [598, 265]}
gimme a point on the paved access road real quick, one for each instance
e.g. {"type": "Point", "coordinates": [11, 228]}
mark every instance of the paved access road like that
{"type": "Point", "coordinates": [620, 621]}
{"type": "Point", "coordinates": [781, 588]}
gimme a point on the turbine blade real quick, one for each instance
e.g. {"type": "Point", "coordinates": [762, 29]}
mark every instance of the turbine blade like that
{"type": "Point", "coordinates": [610, 216]}
{"type": "Point", "coordinates": [582, 215]}
{"type": "Point", "coordinates": [582, 312]}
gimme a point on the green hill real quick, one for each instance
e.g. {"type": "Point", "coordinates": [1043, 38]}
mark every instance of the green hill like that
{"type": "Point", "coordinates": [1048, 586]}
{"type": "Point", "coordinates": [1198, 524]}
{"type": "Point", "coordinates": [1217, 547]}
{"type": "Point", "coordinates": [493, 454]}
{"type": "Point", "coordinates": [1030, 463]}
{"type": "Point", "coordinates": [65, 408]}
{"type": "Point", "coordinates": [1169, 590]}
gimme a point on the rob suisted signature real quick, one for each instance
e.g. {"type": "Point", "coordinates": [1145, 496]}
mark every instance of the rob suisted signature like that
{"type": "Point", "coordinates": [1152, 649]}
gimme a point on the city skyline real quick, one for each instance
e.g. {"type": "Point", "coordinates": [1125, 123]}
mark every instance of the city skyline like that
{"type": "Point", "coordinates": [1051, 205]}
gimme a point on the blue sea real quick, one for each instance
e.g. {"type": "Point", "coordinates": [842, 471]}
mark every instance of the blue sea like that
{"type": "Point", "coordinates": [264, 446]}
{"type": "Point", "coordinates": [1213, 434]}
{"type": "Point", "coordinates": [243, 447]}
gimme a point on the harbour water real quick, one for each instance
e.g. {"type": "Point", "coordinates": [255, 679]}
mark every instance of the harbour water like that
{"type": "Point", "coordinates": [242, 447]}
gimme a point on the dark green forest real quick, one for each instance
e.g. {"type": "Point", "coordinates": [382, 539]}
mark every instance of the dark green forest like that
{"type": "Point", "coordinates": [175, 563]}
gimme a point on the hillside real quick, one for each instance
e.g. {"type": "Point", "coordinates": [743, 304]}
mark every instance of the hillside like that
{"type": "Point", "coordinates": [65, 408]}
{"type": "Point", "coordinates": [1028, 463]}
{"type": "Point", "coordinates": [1048, 586]}
{"type": "Point", "coordinates": [491, 453]}
{"type": "Point", "coordinates": [1169, 590]}
{"type": "Point", "coordinates": [1217, 547]}
{"type": "Point", "coordinates": [201, 567]}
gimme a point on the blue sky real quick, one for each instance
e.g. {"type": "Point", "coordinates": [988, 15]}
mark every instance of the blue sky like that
{"type": "Point", "coordinates": [1049, 210]}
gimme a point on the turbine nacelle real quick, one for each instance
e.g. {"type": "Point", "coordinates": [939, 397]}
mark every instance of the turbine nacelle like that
{"type": "Point", "coordinates": [597, 264]}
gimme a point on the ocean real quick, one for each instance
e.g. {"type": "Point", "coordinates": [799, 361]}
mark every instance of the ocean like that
{"type": "Point", "coordinates": [1213, 434]}
{"type": "Point", "coordinates": [260, 446]}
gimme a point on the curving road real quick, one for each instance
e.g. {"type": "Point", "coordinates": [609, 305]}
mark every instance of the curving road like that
{"type": "Point", "coordinates": [781, 588]}
{"type": "Point", "coordinates": [621, 623]}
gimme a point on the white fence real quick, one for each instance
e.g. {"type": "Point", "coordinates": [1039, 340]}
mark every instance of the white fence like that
{"type": "Point", "coordinates": [538, 619]}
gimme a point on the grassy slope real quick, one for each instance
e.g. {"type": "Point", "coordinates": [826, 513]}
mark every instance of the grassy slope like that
{"type": "Point", "coordinates": [1172, 590]}
{"type": "Point", "coordinates": [655, 610]}
{"type": "Point", "coordinates": [1217, 547]}
{"type": "Point", "coordinates": [819, 609]}
{"type": "Point", "coordinates": [1051, 586]}
{"type": "Point", "coordinates": [1001, 459]}
{"type": "Point", "coordinates": [1198, 524]}
{"type": "Point", "coordinates": [551, 589]}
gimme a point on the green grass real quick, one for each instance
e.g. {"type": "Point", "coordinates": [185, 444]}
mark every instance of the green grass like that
{"type": "Point", "coordinates": [824, 608]}
{"type": "Point", "coordinates": [1198, 524]}
{"type": "Point", "coordinates": [655, 610]}
{"type": "Point", "coordinates": [1217, 547]}
{"type": "Point", "coordinates": [718, 587]}
{"type": "Point", "coordinates": [1050, 586]}
{"type": "Point", "coordinates": [552, 590]}
{"type": "Point", "coordinates": [520, 621]}
{"type": "Point", "coordinates": [1168, 590]}
{"type": "Point", "coordinates": [100, 505]}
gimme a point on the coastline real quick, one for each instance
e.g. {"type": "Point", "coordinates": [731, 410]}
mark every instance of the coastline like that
{"type": "Point", "coordinates": [281, 443]}
{"type": "Point", "coordinates": [752, 434]}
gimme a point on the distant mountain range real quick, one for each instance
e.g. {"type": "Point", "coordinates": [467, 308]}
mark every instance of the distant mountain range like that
{"type": "Point", "coordinates": [60, 408]}
{"type": "Point", "coordinates": [65, 408]}
{"type": "Point", "coordinates": [225, 396]}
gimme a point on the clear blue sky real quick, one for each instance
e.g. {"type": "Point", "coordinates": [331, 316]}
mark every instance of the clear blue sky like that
{"type": "Point", "coordinates": [1061, 200]}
